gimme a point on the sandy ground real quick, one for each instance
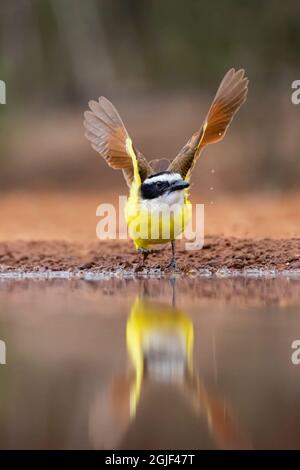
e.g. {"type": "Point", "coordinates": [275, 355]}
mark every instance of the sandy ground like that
{"type": "Point", "coordinates": [56, 231]}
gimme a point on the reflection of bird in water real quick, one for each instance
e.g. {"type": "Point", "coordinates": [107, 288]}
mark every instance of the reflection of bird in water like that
{"type": "Point", "coordinates": [163, 383]}
{"type": "Point", "coordinates": [159, 341]}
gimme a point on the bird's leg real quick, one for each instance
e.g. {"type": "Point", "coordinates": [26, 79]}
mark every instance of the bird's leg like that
{"type": "Point", "coordinates": [172, 263]}
{"type": "Point", "coordinates": [145, 253]}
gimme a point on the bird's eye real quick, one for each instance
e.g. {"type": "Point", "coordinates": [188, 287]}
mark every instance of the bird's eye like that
{"type": "Point", "coordinates": [159, 184]}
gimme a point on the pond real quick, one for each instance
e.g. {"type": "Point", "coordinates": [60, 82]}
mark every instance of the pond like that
{"type": "Point", "coordinates": [150, 363]}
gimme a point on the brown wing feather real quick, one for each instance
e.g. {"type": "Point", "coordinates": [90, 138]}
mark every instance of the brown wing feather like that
{"type": "Point", "coordinates": [231, 94]}
{"type": "Point", "coordinates": [108, 135]}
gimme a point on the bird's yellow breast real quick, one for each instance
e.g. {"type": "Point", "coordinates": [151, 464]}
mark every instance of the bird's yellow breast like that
{"type": "Point", "coordinates": [155, 222]}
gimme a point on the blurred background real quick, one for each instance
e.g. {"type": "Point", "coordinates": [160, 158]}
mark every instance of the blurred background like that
{"type": "Point", "coordinates": [160, 63]}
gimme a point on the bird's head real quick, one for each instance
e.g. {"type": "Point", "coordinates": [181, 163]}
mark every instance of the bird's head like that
{"type": "Point", "coordinates": [166, 185]}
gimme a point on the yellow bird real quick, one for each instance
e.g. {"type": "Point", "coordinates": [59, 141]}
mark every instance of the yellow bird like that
{"type": "Point", "coordinates": [158, 208]}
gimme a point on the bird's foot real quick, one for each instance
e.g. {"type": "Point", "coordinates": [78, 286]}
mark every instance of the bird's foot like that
{"type": "Point", "coordinates": [145, 252]}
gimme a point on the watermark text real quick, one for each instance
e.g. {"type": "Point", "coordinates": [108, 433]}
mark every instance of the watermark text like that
{"type": "Point", "coordinates": [2, 352]}
{"type": "Point", "coordinates": [157, 223]}
{"type": "Point", "coordinates": [295, 357]}
{"type": "Point", "coordinates": [2, 92]}
{"type": "Point", "coordinates": [295, 96]}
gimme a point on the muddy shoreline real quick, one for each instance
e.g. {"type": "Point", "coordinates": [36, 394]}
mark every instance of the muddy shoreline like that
{"type": "Point", "coordinates": [221, 256]}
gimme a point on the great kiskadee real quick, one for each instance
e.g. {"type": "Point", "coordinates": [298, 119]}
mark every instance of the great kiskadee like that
{"type": "Point", "coordinates": [153, 192]}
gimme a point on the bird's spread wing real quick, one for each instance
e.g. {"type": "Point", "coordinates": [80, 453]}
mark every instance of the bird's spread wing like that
{"type": "Point", "coordinates": [109, 137]}
{"type": "Point", "coordinates": [230, 96]}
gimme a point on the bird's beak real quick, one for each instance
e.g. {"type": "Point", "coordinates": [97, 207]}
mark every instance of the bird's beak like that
{"type": "Point", "coordinates": [179, 185]}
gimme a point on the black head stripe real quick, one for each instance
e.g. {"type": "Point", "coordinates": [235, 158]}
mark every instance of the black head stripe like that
{"type": "Point", "coordinates": [153, 190]}
{"type": "Point", "coordinates": [154, 186]}
{"type": "Point", "coordinates": [158, 174]}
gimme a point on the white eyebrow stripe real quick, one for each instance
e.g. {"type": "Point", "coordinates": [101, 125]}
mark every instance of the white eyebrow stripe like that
{"type": "Point", "coordinates": [171, 178]}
